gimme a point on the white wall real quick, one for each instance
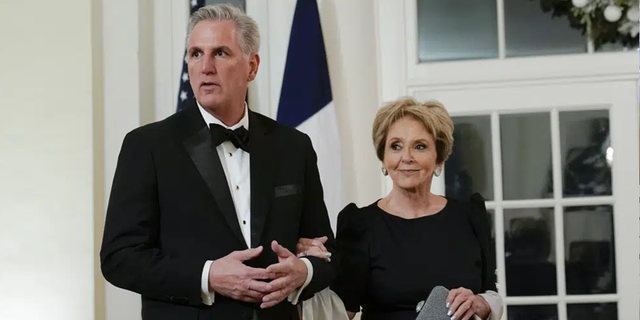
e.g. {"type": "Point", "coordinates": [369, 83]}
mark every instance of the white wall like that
{"type": "Point", "coordinates": [46, 160]}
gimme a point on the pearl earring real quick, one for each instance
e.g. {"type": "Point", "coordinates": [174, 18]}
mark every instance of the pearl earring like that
{"type": "Point", "coordinates": [437, 172]}
{"type": "Point", "coordinates": [384, 171]}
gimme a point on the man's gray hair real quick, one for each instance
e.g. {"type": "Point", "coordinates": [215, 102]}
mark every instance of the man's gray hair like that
{"type": "Point", "coordinates": [248, 34]}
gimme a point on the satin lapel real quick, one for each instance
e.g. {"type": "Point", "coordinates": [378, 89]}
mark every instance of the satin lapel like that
{"type": "Point", "coordinates": [205, 158]}
{"type": "Point", "coordinates": [263, 166]}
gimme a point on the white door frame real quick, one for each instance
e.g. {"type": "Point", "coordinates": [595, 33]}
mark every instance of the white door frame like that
{"type": "Point", "coordinates": [525, 84]}
{"type": "Point", "coordinates": [615, 96]}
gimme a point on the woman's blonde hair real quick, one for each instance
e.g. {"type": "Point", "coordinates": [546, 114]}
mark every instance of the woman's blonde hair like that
{"type": "Point", "coordinates": [431, 114]}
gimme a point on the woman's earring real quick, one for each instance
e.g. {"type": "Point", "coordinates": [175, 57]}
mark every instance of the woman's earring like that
{"type": "Point", "coordinates": [384, 171]}
{"type": "Point", "coordinates": [437, 171]}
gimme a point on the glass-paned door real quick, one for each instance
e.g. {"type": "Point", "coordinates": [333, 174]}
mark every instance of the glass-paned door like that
{"type": "Point", "coordinates": [558, 168]}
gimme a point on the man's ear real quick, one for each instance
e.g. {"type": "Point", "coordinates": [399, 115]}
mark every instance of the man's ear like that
{"type": "Point", "coordinates": [254, 63]}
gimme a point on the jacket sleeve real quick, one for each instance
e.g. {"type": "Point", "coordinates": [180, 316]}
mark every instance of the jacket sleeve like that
{"type": "Point", "coordinates": [130, 255]}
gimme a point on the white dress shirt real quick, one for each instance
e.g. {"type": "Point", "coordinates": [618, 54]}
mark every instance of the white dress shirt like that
{"type": "Point", "coordinates": [236, 165]}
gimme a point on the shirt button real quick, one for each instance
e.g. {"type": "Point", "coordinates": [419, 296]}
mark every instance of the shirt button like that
{"type": "Point", "coordinates": [230, 154]}
{"type": "Point", "coordinates": [244, 221]}
{"type": "Point", "coordinates": [237, 188]}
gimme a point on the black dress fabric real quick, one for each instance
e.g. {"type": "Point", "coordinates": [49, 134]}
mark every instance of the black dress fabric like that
{"type": "Point", "coordinates": [388, 263]}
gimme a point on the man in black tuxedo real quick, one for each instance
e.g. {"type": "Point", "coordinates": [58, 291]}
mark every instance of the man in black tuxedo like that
{"type": "Point", "coordinates": [207, 205]}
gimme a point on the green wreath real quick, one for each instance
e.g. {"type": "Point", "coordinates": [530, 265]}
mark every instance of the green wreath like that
{"type": "Point", "coordinates": [591, 20]}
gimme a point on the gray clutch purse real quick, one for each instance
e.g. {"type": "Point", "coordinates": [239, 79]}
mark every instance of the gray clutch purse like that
{"type": "Point", "coordinates": [435, 307]}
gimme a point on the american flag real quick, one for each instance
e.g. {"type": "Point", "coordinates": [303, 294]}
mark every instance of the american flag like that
{"type": "Point", "coordinates": [186, 93]}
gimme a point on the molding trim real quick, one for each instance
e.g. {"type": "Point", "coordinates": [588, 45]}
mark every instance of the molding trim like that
{"type": "Point", "coordinates": [99, 198]}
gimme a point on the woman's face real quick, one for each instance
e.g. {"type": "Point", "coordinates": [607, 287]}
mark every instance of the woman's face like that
{"type": "Point", "coordinates": [410, 154]}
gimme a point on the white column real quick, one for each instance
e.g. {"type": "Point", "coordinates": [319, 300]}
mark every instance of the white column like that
{"type": "Point", "coordinates": [122, 113]}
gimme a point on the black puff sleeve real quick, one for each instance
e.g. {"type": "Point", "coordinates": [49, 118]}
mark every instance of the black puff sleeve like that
{"type": "Point", "coordinates": [481, 226]}
{"type": "Point", "coordinates": [353, 248]}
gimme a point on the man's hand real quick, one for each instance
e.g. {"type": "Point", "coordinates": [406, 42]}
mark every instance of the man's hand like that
{"type": "Point", "coordinates": [291, 272]}
{"type": "Point", "coordinates": [229, 277]}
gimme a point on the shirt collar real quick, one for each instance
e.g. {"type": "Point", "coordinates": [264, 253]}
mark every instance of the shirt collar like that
{"type": "Point", "coordinates": [210, 119]}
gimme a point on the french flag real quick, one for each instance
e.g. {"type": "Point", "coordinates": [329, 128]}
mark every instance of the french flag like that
{"type": "Point", "coordinates": [306, 102]}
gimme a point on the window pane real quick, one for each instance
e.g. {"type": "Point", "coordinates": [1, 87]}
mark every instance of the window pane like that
{"type": "Point", "coordinates": [529, 31]}
{"type": "Point", "coordinates": [589, 250]}
{"type": "Point", "coordinates": [595, 311]}
{"type": "Point", "coordinates": [541, 312]}
{"type": "Point", "coordinates": [526, 156]}
{"type": "Point", "coordinates": [469, 168]}
{"type": "Point", "coordinates": [586, 153]}
{"type": "Point", "coordinates": [530, 252]}
{"type": "Point", "coordinates": [457, 29]}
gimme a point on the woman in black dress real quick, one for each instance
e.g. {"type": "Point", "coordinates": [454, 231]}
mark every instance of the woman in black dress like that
{"type": "Point", "coordinates": [394, 251]}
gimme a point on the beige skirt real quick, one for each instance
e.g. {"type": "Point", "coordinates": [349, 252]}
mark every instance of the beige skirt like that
{"type": "Point", "coordinates": [325, 305]}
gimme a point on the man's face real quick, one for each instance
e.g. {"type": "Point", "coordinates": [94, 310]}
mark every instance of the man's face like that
{"type": "Point", "coordinates": [218, 71]}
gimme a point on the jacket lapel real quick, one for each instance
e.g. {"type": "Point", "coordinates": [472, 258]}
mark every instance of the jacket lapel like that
{"type": "Point", "coordinates": [205, 157]}
{"type": "Point", "coordinates": [263, 160]}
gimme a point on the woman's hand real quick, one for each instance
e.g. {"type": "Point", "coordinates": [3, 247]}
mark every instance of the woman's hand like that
{"type": "Point", "coordinates": [463, 304]}
{"type": "Point", "coordinates": [313, 247]}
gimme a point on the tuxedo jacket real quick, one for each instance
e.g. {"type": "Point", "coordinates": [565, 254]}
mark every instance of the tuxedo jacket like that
{"type": "Point", "coordinates": [170, 210]}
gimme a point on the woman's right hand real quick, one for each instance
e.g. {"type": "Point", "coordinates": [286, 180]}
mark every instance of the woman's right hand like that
{"type": "Point", "coordinates": [464, 304]}
{"type": "Point", "coordinates": [313, 247]}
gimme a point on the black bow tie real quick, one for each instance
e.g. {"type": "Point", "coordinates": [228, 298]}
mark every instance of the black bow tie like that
{"type": "Point", "coordinates": [239, 137]}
